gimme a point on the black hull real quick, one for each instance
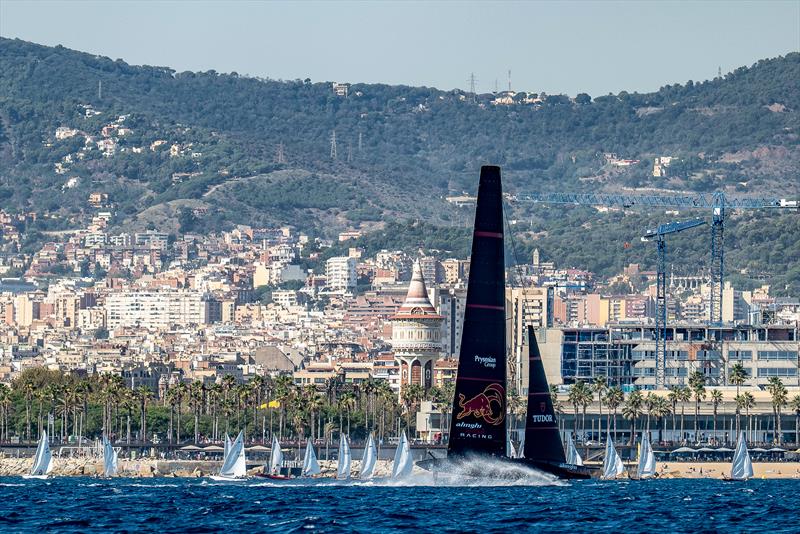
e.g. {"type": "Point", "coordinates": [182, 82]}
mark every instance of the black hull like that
{"type": "Point", "coordinates": [472, 468]}
{"type": "Point", "coordinates": [563, 471]}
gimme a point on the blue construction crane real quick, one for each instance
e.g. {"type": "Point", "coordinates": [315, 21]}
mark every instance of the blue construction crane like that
{"type": "Point", "coordinates": [718, 202]}
{"type": "Point", "coordinates": [658, 235]}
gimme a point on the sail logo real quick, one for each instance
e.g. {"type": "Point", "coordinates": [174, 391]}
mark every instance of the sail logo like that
{"type": "Point", "coordinates": [486, 361]}
{"type": "Point", "coordinates": [542, 418]}
{"type": "Point", "coordinates": [488, 405]}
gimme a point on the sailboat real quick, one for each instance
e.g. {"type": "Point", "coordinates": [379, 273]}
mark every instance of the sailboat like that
{"type": "Point", "coordinates": [310, 464]}
{"type": "Point", "coordinates": [42, 460]}
{"type": "Point", "coordinates": [478, 427]}
{"type": "Point", "coordinates": [511, 451]}
{"type": "Point", "coordinates": [109, 459]}
{"type": "Point", "coordinates": [234, 463]}
{"type": "Point", "coordinates": [543, 447]}
{"type": "Point", "coordinates": [741, 467]}
{"type": "Point", "coordinates": [343, 466]}
{"type": "Point", "coordinates": [573, 457]}
{"type": "Point", "coordinates": [647, 460]}
{"type": "Point", "coordinates": [369, 459]}
{"type": "Point", "coordinates": [403, 464]}
{"type": "Point", "coordinates": [612, 463]}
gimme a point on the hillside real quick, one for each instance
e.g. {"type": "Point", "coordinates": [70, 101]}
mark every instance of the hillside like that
{"type": "Point", "coordinates": [202, 151]}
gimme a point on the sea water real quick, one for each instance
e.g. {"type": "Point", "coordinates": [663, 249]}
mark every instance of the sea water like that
{"type": "Point", "coordinates": [199, 505]}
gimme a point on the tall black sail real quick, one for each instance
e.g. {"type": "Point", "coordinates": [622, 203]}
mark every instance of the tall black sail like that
{"type": "Point", "coordinates": [542, 439]}
{"type": "Point", "coordinates": [479, 408]}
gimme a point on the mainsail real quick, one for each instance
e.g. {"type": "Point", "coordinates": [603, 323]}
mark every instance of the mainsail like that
{"type": "Point", "coordinates": [43, 459]}
{"type": "Point", "coordinates": [479, 407]}
{"type": "Point", "coordinates": [612, 464]}
{"type": "Point", "coordinates": [235, 464]}
{"type": "Point", "coordinates": [403, 464]}
{"type": "Point", "coordinates": [573, 457]}
{"type": "Point", "coordinates": [542, 438]}
{"type": "Point", "coordinates": [369, 459]}
{"type": "Point", "coordinates": [742, 467]}
{"type": "Point", "coordinates": [647, 460]}
{"type": "Point", "coordinates": [276, 457]}
{"type": "Point", "coordinates": [310, 464]}
{"type": "Point", "coordinates": [109, 459]}
{"type": "Point", "coordinates": [226, 448]}
{"type": "Point", "coordinates": [343, 465]}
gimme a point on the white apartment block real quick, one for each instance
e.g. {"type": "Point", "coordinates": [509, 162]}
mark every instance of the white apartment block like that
{"type": "Point", "coordinates": [154, 309]}
{"type": "Point", "coordinates": [341, 276]}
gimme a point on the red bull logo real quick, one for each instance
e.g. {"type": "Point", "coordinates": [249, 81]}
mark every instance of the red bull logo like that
{"type": "Point", "coordinates": [488, 405]}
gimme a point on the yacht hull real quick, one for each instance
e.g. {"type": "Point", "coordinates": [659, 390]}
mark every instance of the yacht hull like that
{"type": "Point", "coordinates": [36, 477]}
{"type": "Point", "coordinates": [217, 478]}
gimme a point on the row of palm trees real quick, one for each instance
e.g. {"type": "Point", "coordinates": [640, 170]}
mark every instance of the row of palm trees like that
{"type": "Point", "coordinates": [637, 404]}
{"type": "Point", "coordinates": [196, 411]}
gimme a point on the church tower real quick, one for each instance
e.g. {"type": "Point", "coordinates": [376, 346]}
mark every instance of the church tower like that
{"type": "Point", "coordinates": [416, 334]}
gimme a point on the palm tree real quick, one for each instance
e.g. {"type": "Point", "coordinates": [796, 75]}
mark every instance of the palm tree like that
{"type": "Point", "coordinates": [697, 383]}
{"type": "Point", "coordinates": [660, 409]}
{"type": "Point", "coordinates": [650, 402]}
{"type": "Point", "coordinates": [581, 395]}
{"type": "Point", "coordinates": [737, 377]}
{"type": "Point", "coordinates": [745, 400]}
{"type": "Point", "coordinates": [674, 396]}
{"type": "Point", "coordinates": [600, 386]}
{"type": "Point", "coordinates": [684, 396]}
{"type": "Point", "coordinates": [779, 400]}
{"type": "Point", "coordinates": [795, 405]}
{"type": "Point", "coordinates": [5, 402]}
{"type": "Point", "coordinates": [284, 388]}
{"type": "Point", "coordinates": [614, 398]}
{"type": "Point", "coordinates": [411, 395]}
{"type": "Point", "coordinates": [632, 409]}
{"type": "Point", "coordinates": [144, 394]}
{"type": "Point", "coordinates": [197, 393]}
{"type": "Point", "coordinates": [716, 400]}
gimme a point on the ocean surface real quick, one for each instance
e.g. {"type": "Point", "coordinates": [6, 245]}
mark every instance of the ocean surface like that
{"type": "Point", "coordinates": [197, 505]}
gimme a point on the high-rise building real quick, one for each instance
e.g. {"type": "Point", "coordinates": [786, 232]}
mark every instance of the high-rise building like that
{"type": "Point", "coordinates": [341, 275]}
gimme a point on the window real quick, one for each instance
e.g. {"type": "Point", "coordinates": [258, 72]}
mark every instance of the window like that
{"type": "Point", "coordinates": [740, 355]}
{"type": "Point", "coordinates": [786, 355]}
{"type": "Point", "coordinates": [769, 372]}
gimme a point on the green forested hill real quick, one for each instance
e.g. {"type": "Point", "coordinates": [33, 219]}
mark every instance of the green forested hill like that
{"type": "Point", "coordinates": [214, 139]}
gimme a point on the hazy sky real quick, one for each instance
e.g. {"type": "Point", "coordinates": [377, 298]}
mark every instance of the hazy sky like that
{"type": "Point", "coordinates": [580, 46]}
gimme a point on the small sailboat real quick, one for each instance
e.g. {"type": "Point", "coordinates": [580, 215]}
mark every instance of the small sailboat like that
{"type": "Point", "coordinates": [42, 460]}
{"type": "Point", "coordinates": [234, 464]}
{"type": "Point", "coordinates": [310, 464]}
{"type": "Point", "coordinates": [647, 460]}
{"type": "Point", "coordinates": [403, 464]}
{"type": "Point", "coordinates": [369, 459]}
{"type": "Point", "coordinates": [573, 457]}
{"type": "Point", "coordinates": [612, 463]}
{"type": "Point", "coordinates": [110, 459]}
{"type": "Point", "coordinates": [511, 451]}
{"type": "Point", "coordinates": [343, 465]}
{"type": "Point", "coordinates": [741, 467]}
{"type": "Point", "coordinates": [275, 457]}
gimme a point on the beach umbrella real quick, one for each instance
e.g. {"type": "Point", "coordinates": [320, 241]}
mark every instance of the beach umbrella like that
{"type": "Point", "coordinates": [758, 449]}
{"type": "Point", "coordinates": [681, 450]}
{"type": "Point", "coordinates": [777, 449]}
{"type": "Point", "coordinates": [724, 449]}
{"type": "Point", "coordinates": [213, 448]}
{"type": "Point", "coordinates": [191, 448]}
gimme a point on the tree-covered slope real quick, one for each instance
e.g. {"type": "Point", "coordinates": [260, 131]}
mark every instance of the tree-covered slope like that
{"type": "Point", "coordinates": [218, 139]}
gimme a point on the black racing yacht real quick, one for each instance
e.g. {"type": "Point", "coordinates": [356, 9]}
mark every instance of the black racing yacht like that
{"type": "Point", "coordinates": [478, 428]}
